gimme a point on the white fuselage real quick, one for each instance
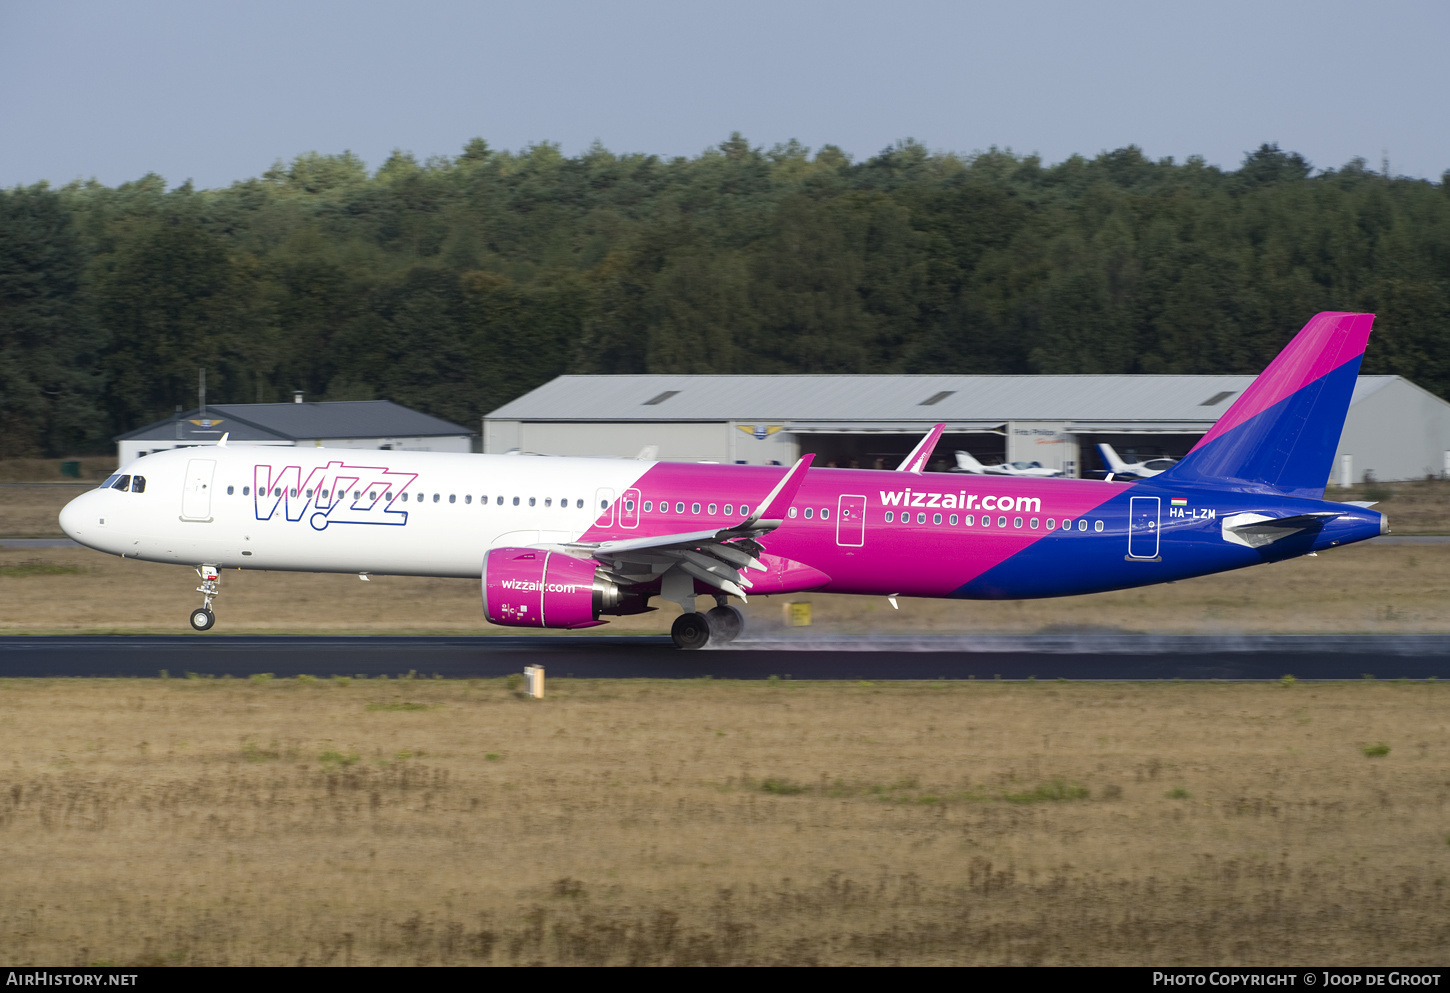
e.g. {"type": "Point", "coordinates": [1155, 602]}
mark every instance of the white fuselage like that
{"type": "Point", "coordinates": [334, 510]}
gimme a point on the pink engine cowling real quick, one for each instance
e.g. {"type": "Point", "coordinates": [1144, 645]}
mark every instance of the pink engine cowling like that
{"type": "Point", "coordinates": [532, 588]}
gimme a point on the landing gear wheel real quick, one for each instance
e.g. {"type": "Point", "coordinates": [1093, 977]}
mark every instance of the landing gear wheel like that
{"type": "Point", "coordinates": [202, 619]}
{"type": "Point", "coordinates": [726, 623]}
{"type": "Point", "coordinates": [690, 631]}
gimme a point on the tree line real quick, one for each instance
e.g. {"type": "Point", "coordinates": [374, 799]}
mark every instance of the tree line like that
{"type": "Point", "coordinates": [456, 284]}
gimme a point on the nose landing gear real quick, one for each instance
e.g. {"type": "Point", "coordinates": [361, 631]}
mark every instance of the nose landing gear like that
{"type": "Point", "coordinates": [202, 618]}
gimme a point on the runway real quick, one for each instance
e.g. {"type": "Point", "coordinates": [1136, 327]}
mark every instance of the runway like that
{"type": "Point", "coordinates": [1092, 655]}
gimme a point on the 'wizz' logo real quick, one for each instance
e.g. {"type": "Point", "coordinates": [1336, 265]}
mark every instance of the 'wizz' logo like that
{"type": "Point", "coordinates": [334, 494]}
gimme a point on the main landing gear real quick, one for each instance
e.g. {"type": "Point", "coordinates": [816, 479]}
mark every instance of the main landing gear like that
{"type": "Point", "coordinates": [719, 626]}
{"type": "Point", "coordinates": [202, 618]}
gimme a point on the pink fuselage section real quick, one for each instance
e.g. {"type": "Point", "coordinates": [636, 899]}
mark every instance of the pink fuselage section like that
{"type": "Point", "coordinates": [846, 544]}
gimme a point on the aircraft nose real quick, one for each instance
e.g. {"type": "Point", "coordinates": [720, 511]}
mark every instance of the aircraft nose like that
{"type": "Point", "coordinates": [74, 517]}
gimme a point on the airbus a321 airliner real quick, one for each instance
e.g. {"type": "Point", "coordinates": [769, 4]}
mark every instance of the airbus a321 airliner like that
{"type": "Point", "coordinates": [562, 542]}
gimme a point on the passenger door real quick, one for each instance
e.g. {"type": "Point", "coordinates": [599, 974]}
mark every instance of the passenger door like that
{"type": "Point", "coordinates": [196, 497]}
{"type": "Point", "coordinates": [1143, 527]}
{"type": "Point", "coordinates": [851, 521]}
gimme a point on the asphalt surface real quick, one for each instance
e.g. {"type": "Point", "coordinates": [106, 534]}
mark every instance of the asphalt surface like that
{"type": "Point", "coordinates": [1078, 656]}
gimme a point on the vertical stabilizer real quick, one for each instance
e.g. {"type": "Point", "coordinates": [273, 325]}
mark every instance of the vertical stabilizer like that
{"type": "Point", "coordinates": [1283, 431]}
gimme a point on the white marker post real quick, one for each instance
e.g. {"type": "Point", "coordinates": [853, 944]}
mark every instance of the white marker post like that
{"type": "Point", "coordinates": [534, 681]}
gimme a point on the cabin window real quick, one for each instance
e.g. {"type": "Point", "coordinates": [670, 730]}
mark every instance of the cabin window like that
{"type": "Point", "coordinates": [810, 512]}
{"type": "Point", "coordinates": [309, 491]}
{"type": "Point", "coordinates": [579, 504]}
{"type": "Point", "coordinates": [1067, 525]}
{"type": "Point", "coordinates": [516, 501]}
{"type": "Point", "coordinates": [452, 497]}
{"type": "Point", "coordinates": [548, 501]}
{"type": "Point", "coordinates": [1051, 524]}
{"type": "Point", "coordinates": [628, 504]}
{"type": "Point", "coordinates": [1082, 525]}
{"type": "Point", "coordinates": [246, 491]}
{"type": "Point", "coordinates": [1001, 522]}
{"type": "Point", "coordinates": [952, 520]}
{"type": "Point", "coordinates": [694, 508]}
{"type": "Point", "coordinates": [499, 501]}
{"type": "Point", "coordinates": [404, 497]}
{"type": "Point", "coordinates": [728, 510]}
{"type": "Point", "coordinates": [825, 513]}
{"type": "Point", "coordinates": [649, 505]}
{"type": "Point", "coordinates": [890, 516]}
{"type": "Point", "coordinates": [921, 518]}
{"type": "Point", "coordinates": [664, 506]}
{"type": "Point", "coordinates": [969, 520]}
{"type": "Point", "coordinates": [936, 518]}
{"type": "Point", "coordinates": [679, 506]}
{"type": "Point", "coordinates": [1016, 522]}
{"type": "Point", "coordinates": [292, 494]}
{"type": "Point", "coordinates": [712, 510]}
{"type": "Point", "coordinates": [790, 513]}
{"type": "Point", "coordinates": [1034, 524]}
{"type": "Point", "coordinates": [231, 490]}
{"type": "Point", "coordinates": [744, 510]}
{"type": "Point", "coordinates": [468, 498]}
{"type": "Point", "coordinates": [531, 501]}
{"type": "Point", "coordinates": [1097, 525]}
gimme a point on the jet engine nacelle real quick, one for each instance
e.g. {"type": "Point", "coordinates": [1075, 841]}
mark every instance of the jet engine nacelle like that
{"type": "Point", "coordinates": [532, 588]}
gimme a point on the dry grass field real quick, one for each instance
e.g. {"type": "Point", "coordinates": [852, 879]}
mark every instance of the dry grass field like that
{"type": "Point", "coordinates": [420, 822]}
{"type": "Point", "coordinates": [1364, 588]}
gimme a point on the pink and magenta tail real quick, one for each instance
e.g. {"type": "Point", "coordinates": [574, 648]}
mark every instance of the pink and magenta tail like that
{"type": "Point", "coordinates": [1284, 430]}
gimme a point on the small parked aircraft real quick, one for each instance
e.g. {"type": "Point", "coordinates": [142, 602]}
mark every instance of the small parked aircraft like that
{"type": "Point", "coordinates": [1035, 470]}
{"type": "Point", "coordinates": [1146, 469]}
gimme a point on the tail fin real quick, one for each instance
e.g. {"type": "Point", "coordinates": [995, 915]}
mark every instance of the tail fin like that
{"type": "Point", "coordinates": [1110, 456]}
{"type": "Point", "coordinates": [966, 463]}
{"type": "Point", "coordinates": [1283, 431]}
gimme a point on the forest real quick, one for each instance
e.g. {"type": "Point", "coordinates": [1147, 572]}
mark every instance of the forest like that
{"type": "Point", "coordinates": [455, 284]}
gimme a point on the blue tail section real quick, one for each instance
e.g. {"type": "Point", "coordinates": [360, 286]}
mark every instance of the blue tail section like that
{"type": "Point", "coordinates": [1283, 431]}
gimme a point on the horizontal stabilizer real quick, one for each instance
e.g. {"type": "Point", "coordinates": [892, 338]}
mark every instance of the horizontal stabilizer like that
{"type": "Point", "coordinates": [1258, 530]}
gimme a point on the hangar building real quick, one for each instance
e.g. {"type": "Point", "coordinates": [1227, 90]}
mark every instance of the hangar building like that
{"type": "Point", "coordinates": [371, 424]}
{"type": "Point", "coordinates": [1395, 429]}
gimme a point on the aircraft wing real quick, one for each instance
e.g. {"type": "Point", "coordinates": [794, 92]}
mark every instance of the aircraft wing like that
{"type": "Point", "coordinates": [717, 557]}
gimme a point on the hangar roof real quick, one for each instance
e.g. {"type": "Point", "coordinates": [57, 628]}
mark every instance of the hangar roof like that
{"type": "Point", "coordinates": [268, 421]}
{"type": "Point", "coordinates": [822, 400]}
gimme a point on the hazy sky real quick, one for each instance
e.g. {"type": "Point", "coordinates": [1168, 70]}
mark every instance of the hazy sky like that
{"type": "Point", "coordinates": [216, 92]}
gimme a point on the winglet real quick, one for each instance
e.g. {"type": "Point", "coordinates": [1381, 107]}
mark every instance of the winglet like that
{"type": "Point", "coordinates": [916, 461]}
{"type": "Point", "coordinates": [223, 442]}
{"type": "Point", "coordinates": [775, 504]}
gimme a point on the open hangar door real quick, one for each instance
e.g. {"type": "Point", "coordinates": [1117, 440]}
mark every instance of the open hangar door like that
{"type": "Point", "coordinates": [1132, 448]}
{"type": "Point", "coordinates": [887, 450]}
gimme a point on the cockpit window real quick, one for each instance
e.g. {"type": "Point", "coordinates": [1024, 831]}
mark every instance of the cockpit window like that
{"type": "Point", "coordinates": [122, 483]}
{"type": "Point", "coordinates": [138, 484]}
{"type": "Point", "coordinates": [109, 480]}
